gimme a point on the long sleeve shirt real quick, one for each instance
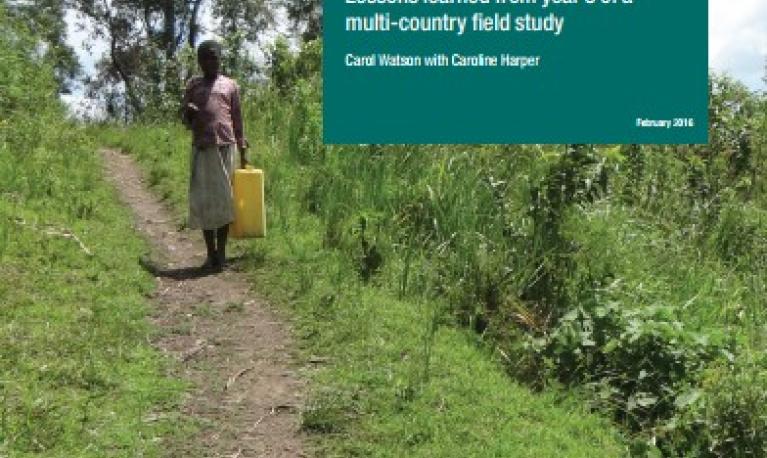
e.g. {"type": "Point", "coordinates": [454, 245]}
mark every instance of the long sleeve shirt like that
{"type": "Point", "coordinates": [219, 119]}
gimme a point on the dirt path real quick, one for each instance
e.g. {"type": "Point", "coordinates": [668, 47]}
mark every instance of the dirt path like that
{"type": "Point", "coordinates": [228, 343]}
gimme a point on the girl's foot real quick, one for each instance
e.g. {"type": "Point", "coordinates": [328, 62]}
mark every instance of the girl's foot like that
{"type": "Point", "coordinates": [221, 259]}
{"type": "Point", "coordinates": [211, 265]}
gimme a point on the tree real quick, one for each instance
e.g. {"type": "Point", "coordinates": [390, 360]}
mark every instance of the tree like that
{"type": "Point", "coordinates": [149, 43]}
{"type": "Point", "coordinates": [306, 14]}
{"type": "Point", "coordinates": [115, 23]}
{"type": "Point", "coordinates": [242, 22]}
{"type": "Point", "coordinates": [45, 19]}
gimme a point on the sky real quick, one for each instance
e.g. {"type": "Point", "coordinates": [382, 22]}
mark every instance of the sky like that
{"type": "Point", "coordinates": [737, 41]}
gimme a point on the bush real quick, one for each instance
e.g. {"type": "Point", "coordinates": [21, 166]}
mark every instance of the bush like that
{"type": "Point", "coordinates": [727, 416]}
{"type": "Point", "coordinates": [637, 360]}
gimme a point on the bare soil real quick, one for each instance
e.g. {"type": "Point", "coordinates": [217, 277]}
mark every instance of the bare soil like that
{"type": "Point", "coordinates": [231, 345]}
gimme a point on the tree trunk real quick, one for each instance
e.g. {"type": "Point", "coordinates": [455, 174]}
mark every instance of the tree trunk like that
{"type": "Point", "coordinates": [169, 34]}
{"type": "Point", "coordinates": [194, 27]}
{"type": "Point", "coordinates": [124, 76]}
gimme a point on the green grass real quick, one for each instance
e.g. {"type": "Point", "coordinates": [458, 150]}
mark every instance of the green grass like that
{"type": "Point", "coordinates": [400, 381]}
{"type": "Point", "coordinates": [79, 378]}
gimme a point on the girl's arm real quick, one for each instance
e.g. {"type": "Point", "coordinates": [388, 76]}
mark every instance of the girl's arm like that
{"type": "Point", "coordinates": [242, 142]}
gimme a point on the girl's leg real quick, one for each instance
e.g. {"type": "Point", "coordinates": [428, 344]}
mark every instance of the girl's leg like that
{"type": "Point", "coordinates": [210, 244]}
{"type": "Point", "coordinates": [221, 235]}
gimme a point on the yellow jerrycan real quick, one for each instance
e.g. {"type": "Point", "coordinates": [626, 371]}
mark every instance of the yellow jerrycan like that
{"type": "Point", "coordinates": [249, 210]}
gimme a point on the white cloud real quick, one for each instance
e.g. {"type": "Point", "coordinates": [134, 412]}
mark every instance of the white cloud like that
{"type": "Point", "coordinates": [738, 39]}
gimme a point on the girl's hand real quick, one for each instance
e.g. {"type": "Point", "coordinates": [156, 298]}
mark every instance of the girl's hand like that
{"type": "Point", "coordinates": [190, 112]}
{"type": "Point", "coordinates": [243, 148]}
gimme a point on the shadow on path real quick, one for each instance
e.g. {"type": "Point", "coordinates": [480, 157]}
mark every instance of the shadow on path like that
{"type": "Point", "coordinates": [186, 273]}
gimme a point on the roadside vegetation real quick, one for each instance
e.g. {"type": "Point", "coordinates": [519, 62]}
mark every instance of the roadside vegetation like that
{"type": "Point", "coordinates": [77, 375]}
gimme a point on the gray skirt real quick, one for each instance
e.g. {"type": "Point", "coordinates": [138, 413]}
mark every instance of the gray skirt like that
{"type": "Point", "coordinates": [210, 186]}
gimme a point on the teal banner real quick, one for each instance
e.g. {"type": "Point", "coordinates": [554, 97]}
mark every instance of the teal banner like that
{"type": "Point", "coordinates": [515, 71]}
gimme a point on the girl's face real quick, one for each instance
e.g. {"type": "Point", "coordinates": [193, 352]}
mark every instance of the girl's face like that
{"type": "Point", "coordinates": [210, 64]}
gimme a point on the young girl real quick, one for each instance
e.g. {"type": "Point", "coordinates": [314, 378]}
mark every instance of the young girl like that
{"type": "Point", "coordinates": [211, 109]}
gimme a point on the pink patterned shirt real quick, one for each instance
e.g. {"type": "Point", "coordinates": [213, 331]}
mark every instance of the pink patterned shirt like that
{"type": "Point", "coordinates": [219, 121]}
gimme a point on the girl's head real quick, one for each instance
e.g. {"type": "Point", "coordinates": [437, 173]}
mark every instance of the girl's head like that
{"type": "Point", "coordinates": [209, 58]}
